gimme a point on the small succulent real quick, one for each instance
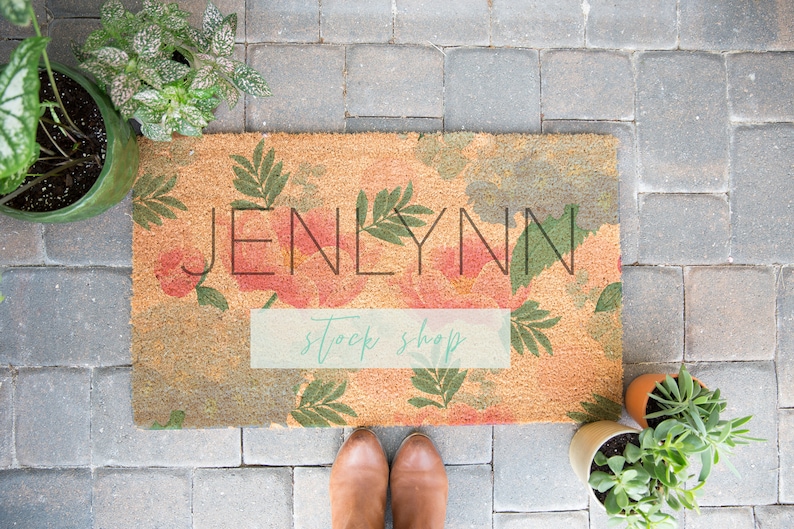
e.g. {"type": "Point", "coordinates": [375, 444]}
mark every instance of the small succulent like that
{"type": "Point", "coordinates": [165, 73]}
{"type": "Point", "coordinates": [647, 478]}
{"type": "Point", "coordinates": [697, 410]}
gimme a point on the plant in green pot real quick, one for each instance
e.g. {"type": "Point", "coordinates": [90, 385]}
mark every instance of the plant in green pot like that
{"type": "Point", "coordinates": [67, 155]}
{"type": "Point", "coordinates": [164, 73]}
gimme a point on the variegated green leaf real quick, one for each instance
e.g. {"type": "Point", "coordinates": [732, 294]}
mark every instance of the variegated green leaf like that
{"type": "Point", "coordinates": [171, 70]}
{"type": "Point", "coordinates": [223, 39]}
{"type": "Point", "coordinates": [19, 108]}
{"type": "Point", "coordinates": [95, 40]}
{"type": "Point", "coordinates": [250, 81]}
{"type": "Point", "coordinates": [212, 19]}
{"type": "Point", "coordinates": [205, 78]}
{"type": "Point", "coordinates": [15, 11]}
{"type": "Point", "coordinates": [111, 12]}
{"type": "Point", "coordinates": [113, 57]}
{"type": "Point", "coordinates": [147, 41]}
{"type": "Point", "coordinates": [225, 65]}
{"type": "Point", "coordinates": [150, 75]}
{"type": "Point", "coordinates": [193, 115]}
{"type": "Point", "coordinates": [155, 131]}
{"type": "Point", "coordinates": [228, 92]}
{"type": "Point", "coordinates": [123, 88]}
{"type": "Point", "coordinates": [151, 98]}
{"type": "Point", "coordinates": [153, 8]}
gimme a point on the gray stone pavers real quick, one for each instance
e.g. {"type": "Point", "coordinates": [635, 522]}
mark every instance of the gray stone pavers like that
{"type": "Point", "coordinates": [736, 25]}
{"type": "Point", "coordinates": [729, 313]}
{"type": "Point", "coordinates": [749, 388]}
{"type": "Point", "coordinates": [627, 173]}
{"type": "Point", "coordinates": [759, 87]}
{"type": "Point", "coordinates": [6, 417]}
{"type": "Point", "coordinates": [115, 441]}
{"type": "Point", "coordinates": [39, 499]}
{"type": "Point", "coordinates": [20, 242]}
{"type": "Point", "coordinates": [65, 317]}
{"type": "Point", "coordinates": [587, 85]}
{"type": "Point", "coordinates": [545, 520]}
{"type": "Point", "coordinates": [256, 498]}
{"type": "Point", "coordinates": [64, 31]}
{"type": "Point", "coordinates": [467, 505]}
{"type": "Point", "coordinates": [464, 22]}
{"type": "Point", "coordinates": [533, 458]}
{"type": "Point", "coordinates": [393, 124]}
{"type": "Point", "coordinates": [532, 24]}
{"type": "Point", "coordinates": [283, 21]}
{"type": "Point", "coordinates": [102, 240]}
{"type": "Point", "coordinates": [348, 21]}
{"type": "Point", "coordinates": [786, 447]}
{"type": "Point", "coordinates": [471, 78]}
{"type": "Point", "coordinates": [142, 498]}
{"type": "Point", "coordinates": [785, 337]}
{"type": "Point", "coordinates": [11, 31]}
{"type": "Point", "coordinates": [774, 516]}
{"type": "Point", "coordinates": [653, 310]}
{"type": "Point", "coordinates": [308, 88]}
{"type": "Point", "coordinates": [682, 116]}
{"type": "Point", "coordinates": [684, 229]}
{"type": "Point", "coordinates": [733, 517]}
{"type": "Point", "coordinates": [288, 447]}
{"type": "Point", "coordinates": [310, 497]}
{"type": "Point", "coordinates": [762, 195]}
{"type": "Point", "coordinates": [615, 24]}
{"type": "Point", "coordinates": [53, 417]}
{"type": "Point", "coordinates": [394, 81]}
{"type": "Point", "coordinates": [461, 445]}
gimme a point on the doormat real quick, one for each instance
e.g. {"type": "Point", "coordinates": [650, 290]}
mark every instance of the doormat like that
{"type": "Point", "coordinates": [311, 280]}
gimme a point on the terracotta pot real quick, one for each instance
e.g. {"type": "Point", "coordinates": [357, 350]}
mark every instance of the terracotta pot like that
{"type": "Point", "coordinates": [636, 400]}
{"type": "Point", "coordinates": [587, 441]}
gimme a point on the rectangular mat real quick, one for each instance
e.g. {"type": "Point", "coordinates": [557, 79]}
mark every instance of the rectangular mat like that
{"type": "Point", "coordinates": [376, 279]}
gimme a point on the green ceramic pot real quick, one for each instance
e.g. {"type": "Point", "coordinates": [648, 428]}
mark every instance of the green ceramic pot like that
{"type": "Point", "coordinates": [118, 173]}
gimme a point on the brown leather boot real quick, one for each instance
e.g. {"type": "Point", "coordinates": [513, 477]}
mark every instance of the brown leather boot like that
{"type": "Point", "coordinates": [359, 479]}
{"type": "Point", "coordinates": [419, 485]}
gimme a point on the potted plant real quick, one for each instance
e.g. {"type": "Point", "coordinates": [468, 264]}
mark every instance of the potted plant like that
{"type": "Point", "coordinates": [164, 73]}
{"type": "Point", "coordinates": [68, 157]}
{"type": "Point", "coordinates": [636, 475]}
{"type": "Point", "coordinates": [657, 398]}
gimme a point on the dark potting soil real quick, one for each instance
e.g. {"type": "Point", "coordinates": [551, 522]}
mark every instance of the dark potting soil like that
{"type": "Point", "coordinates": [613, 447]}
{"type": "Point", "coordinates": [65, 188]}
{"type": "Point", "coordinates": [652, 407]}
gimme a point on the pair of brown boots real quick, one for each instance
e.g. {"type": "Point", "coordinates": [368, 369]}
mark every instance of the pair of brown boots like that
{"type": "Point", "coordinates": [360, 477]}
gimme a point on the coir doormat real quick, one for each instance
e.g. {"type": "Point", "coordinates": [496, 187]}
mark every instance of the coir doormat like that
{"type": "Point", "coordinates": [375, 279]}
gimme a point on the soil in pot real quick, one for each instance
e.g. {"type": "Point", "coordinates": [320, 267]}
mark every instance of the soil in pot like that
{"type": "Point", "coordinates": [66, 188]}
{"type": "Point", "coordinates": [615, 446]}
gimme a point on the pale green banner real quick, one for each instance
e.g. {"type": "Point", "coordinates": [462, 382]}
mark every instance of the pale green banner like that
{"type": "Point", "coordinates": [380, 338]}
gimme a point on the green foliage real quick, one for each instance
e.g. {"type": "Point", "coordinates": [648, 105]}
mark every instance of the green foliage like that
{"type": "Point", "coordinates": [541, 245]}
{"type": "Point", "coordinates": [19, 113]}
{"type": "Point", "coordinates": [151, 201]}
{"type": "Point", "coordinates": [600, 409]}
{"type": "Point", "coordinates": [210, 296]}
{"type": "Point", "coordinates": [525, 331]}
{"type": "Point", "coordinates": [697, 410]}
{"type": "Point", "coordinates": [392, 217]}
{"type": "Point", "coordinates": [135, 58]}
{"type": "Point", "coordinates": [258, 178]}
{"type": "Point", "coordinates": [432, 379]}
{"type": "Point", "coordinates": [16, 11]}
{"type": "Point", "coordinates": [443, 152]}
{"type": "Point", "coordinates": [320, 407]}
{"type": "Point", "coordinates": [611, 298]}
{"type": "Point", "coordinates": [174, 421]}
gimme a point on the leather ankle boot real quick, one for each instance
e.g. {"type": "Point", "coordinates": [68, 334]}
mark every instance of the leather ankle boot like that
{"type": "Point", "coordinates": [419, 486]}
{"type": "Point", "coordinates": [359, 479]}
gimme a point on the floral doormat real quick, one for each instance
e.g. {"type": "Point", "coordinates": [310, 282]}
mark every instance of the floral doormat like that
{"type": "Point", "coordinates": [376, 279]}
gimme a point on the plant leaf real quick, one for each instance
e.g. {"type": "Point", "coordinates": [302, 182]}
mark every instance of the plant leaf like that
{"type": "Point", "coordinates": [212, 19]}
{"type": "Point", "coordinates": [611, 298]}
{"type": "Point", "coordinates": [421, 402]}
{"type": "Point", "coordinates": [250, 81]}
{"type": "Point", "coordinates": [19, 110]}
{"type": "Point", "coordinates": [210, 296]}
{"type": "Point", "coordinates": [175, 421]}
{"type": "Point", "coordinates": [15, 11]}
{"type": "Point", "coordinates": [384, 235]}
{"type": "Point", "coordinates": [342, 408]}
{"type": "Point", "coordinates": [330, 415]}
{"type": "Point", "coordinates": [308, 418]}
{"type": "Point", "coordinates": [244, 204]}
{"type": "Point", "coordinates": [223, 39]}
{"type": "Point", "coordinates": [362, 204]}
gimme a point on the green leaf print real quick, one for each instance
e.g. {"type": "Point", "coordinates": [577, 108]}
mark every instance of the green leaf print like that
{"type": "Point", "coordinates": [151, 201]}
{"type": "Point", "coordinates": [174, 421]}
{"type": "Point", "coordinates": [611, 298]}
{"type": "Point", "coordinates": [392, 217]}
{"type": "Point", "coordinates": [525, 330]}
{"type": "Point", "coordinates": [319, 406]}
{"type": "Point", "coordinates": [259, 178]}
{"type": "Point", "coordinates": [601, 409]}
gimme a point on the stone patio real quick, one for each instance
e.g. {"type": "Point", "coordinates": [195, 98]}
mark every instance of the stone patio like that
{"type": "Point", "coordinates": [701, 96]}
